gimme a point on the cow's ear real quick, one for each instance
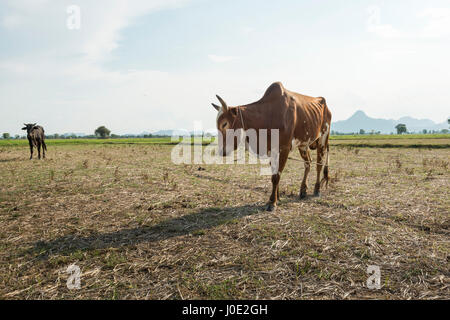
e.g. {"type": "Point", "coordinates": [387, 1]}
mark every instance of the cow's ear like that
{"type": "Point", "coordinates": [233, 111]}
{"type": "Point", "coordinates": [215, 106]}
{"type": "Point", "coordinates": [24, 128]}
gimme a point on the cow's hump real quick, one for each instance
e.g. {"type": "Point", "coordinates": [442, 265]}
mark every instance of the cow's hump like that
{"type": "Point", "coordinates": [274, 91]}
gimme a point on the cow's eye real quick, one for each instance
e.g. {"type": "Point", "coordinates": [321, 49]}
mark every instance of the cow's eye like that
{"type": "Point", "coordinates": [224, 125]}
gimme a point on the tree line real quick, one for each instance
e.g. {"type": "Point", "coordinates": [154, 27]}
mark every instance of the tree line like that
{"type": "Point", "coordinates": [400, 129]}
{"type": "Point", "coordinates": [104, 133]}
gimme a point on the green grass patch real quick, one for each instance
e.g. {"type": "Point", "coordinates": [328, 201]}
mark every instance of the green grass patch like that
{"type": "Point", "coordinates": [390, 136]}
{"type": "Point", "coordinates": [139, 141]}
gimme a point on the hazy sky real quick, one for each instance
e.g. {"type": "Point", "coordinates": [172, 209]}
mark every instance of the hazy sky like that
{"type": "Point", "coordinates": [146, 65]}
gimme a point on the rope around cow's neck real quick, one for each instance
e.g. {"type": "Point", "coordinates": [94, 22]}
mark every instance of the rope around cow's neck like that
{"type": "Point", "coordinates": [242, 119]}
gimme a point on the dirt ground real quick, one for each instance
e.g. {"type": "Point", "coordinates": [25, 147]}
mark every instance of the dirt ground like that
{"type": "Point", "coordinates": [140, 227]}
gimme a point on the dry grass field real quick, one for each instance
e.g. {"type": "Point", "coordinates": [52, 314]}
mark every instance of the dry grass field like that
{"type": "Point", "coordinates": [140, 227]}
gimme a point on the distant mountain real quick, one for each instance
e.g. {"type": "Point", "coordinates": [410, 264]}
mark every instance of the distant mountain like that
{"type": "Point", "coordinates": [360, 120]}
{"type": "Point", "coordinates": [181, 133]}
{"type": "Point", "coordinates": [163, 133]}
{"type": "Point", "coordinates": [70, 134]}
{"type": "Point", "coordinates": [171, 133]}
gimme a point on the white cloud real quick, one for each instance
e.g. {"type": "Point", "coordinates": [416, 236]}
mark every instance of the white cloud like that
{"type": "Point", "coordinates": [102, 22]}
{"type": "Point", "coordinates": [13, 67]}
{"type": "Point", "coordinates": [385, 31]}
{"type": "Point", "coordinates": [220, 59]}
{"type": "Point", "coordinates": [438, 24]}
{"type": "Point", "coordinates": [65, 72]}
{"type": "Point", "coordinates": [78, 53]}
{"type": "Point", "coordinates": [248, 30]}
{"type": "Point", "coordinates": [381, 30]}
{"type": "Point", "coordinates": [105, 20]}
{"type": "Point", "coordinates": [12, 21]}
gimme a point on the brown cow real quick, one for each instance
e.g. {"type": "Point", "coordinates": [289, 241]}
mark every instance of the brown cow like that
{"type": "Point", "coordinates": [36, 137]}
{"type": "Point", "coordinates": [303, 122]}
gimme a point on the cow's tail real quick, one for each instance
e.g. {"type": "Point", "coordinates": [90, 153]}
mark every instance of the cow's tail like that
{"type": "Point", "coordinates": [327, 118]}
{"type": "Point", "coordinates": [44, 146]}
{"type": "Point", "coordinates": [325, 169]}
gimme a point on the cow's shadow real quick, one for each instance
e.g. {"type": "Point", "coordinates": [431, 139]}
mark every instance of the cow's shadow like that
{"type": "Point", "coordinates": [200, 220]}
{"type": "Point", "coordinates": [259, 189]}
{"type": "Point", "coordinates": [14, 160]}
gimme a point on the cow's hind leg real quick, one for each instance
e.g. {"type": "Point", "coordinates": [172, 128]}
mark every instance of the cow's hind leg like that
{"type": "Point", "coordinates": [39, 149]}
{"type": "Point", "coordinates": [320, 159]}
{"type": "Point", "coordinates": [44, 148]}
{"type": "Point", "coordinates": [306, 156]}
{"type": "Point", "coordinates": [276, 180]}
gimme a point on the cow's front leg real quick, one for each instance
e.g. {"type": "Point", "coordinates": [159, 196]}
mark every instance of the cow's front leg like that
{"type": "Point", "coordinates": [306, 156]}
{"type": "Point", "coordinates": [274, 197]}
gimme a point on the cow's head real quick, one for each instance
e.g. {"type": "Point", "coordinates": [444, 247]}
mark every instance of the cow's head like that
{"type": "Point", "coordinates": [226, 120]}
{"type": "Point", "coordinates": [29, 127]}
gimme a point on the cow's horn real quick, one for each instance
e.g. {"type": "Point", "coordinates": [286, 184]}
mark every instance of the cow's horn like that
{"type": "Point", "coordinates": [215, 106]}
{"type": "Point", "coordinates": [224, 104]}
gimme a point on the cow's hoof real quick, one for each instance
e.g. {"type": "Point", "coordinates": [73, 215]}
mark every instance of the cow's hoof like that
{"type": "Point", "coordinates": [271, 207]}
{"type": "Point", "coordinates": [316, 194]}
{"type": "Point", "coordinates": [302, 195]}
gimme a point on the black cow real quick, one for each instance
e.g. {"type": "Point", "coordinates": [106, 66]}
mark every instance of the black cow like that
{"type": "Point", "coordinates": [35, 135]}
